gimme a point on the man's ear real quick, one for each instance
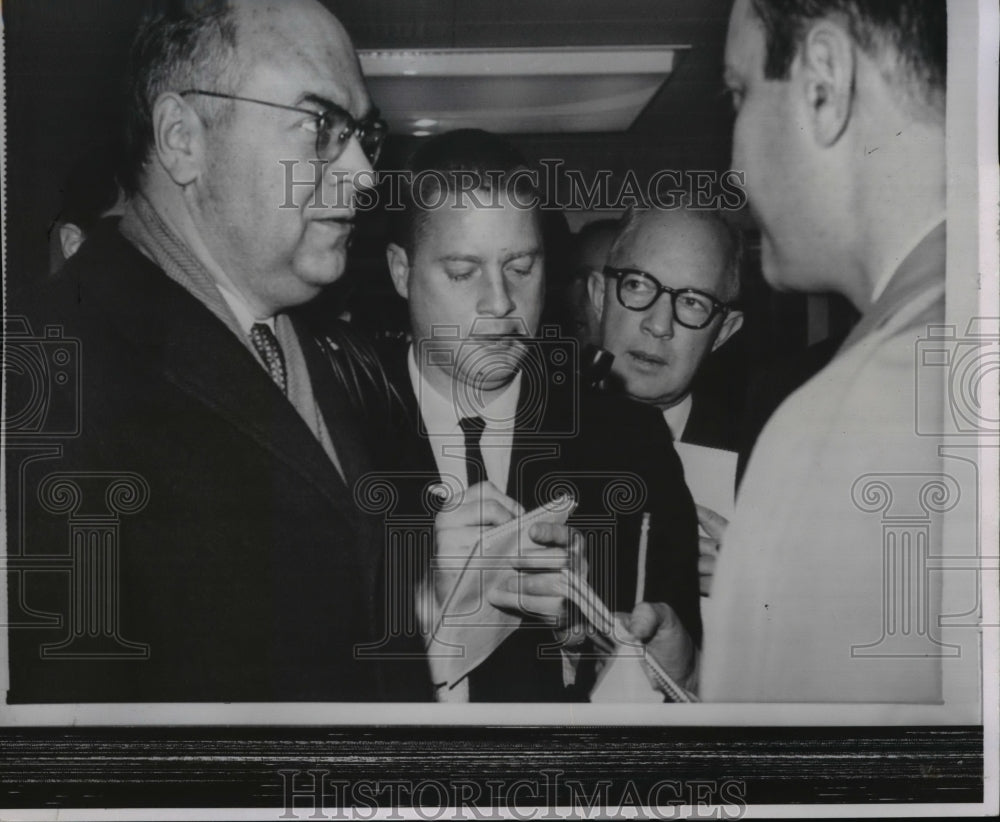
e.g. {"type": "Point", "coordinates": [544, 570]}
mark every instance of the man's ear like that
{"type": "Point", "coordinates": [828, 63]}
{"type": "Point", "coordinates": [595, 290]}
{"type": "Point", "coordinates": [70, 239]}
{"type": "Point", "coordinates": [730, 325]}
{"type": "Point", "coordinates": [179, 136]}
{"type": "Point", "coordinates": [399, 269]}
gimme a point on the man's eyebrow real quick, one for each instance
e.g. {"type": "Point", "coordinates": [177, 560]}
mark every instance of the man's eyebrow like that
{"type": "Point", "coordinates": [318, 100]}
{"type": "Point", "coordinates": [530, 252]}
{"type": "Point", "coordinates": [473, 258]}
{"type": "Point", "coordinates": [327, 104]}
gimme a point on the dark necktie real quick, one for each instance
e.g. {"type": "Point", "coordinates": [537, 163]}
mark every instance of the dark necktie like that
{"type": "Point", "coordinates": [269, 349]}
{"type": "Point", "coordinates": [475, 468]}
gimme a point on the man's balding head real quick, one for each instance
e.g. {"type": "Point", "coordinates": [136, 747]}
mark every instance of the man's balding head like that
{"type": "Point", "coordinates": [692, 252]}
{"type": "Point", "coordinates": [175, 49]}
{"type": "Point", "coordinates": [214, 44]}
{"type": "Point", "coordinates": [227, 141]}
{"type": "Point", "coordinates": [720, 237]}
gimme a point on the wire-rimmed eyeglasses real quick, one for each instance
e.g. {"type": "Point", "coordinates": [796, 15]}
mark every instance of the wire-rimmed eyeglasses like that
{"type": "Point", "coordinates": [638, 290]}
{"type": "Point", "coordinates": [333, 126]}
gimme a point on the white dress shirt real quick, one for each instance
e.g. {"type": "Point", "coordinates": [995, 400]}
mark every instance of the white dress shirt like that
{"type": "Point", "coordinates": [676, 417]}
{"type": "Point", "coordinates": [440, 416]}
{"type": "Point", "coordinates": [883, 281]}
{"type": "Point", "coordinates": [241, 310]}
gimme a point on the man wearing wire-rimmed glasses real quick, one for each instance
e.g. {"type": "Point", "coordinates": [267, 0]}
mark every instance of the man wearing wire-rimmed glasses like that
{"type": "Point", "coordinates": [246, 571]}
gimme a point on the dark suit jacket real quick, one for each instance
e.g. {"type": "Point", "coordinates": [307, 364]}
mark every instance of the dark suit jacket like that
{"type": "Point", "coordinates": [711, 422]}
{"type": "Point", "coordinates": [617, 456]}
{"type": "Point", "coordinates": [251, 573]}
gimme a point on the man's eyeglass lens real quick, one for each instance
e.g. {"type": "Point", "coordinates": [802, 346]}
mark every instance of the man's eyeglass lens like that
{"type": "Point", "coordinates": [693, 309]}
{"type": "Point", "coordinates": [370, 131]}
{"type": "Point", "coordinates": [334, 126]}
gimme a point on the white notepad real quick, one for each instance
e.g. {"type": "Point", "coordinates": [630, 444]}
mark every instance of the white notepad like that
{"type": "Point", "coordinates": [710, 474]}
{"type": "Point", "coordinates": [468, 628]}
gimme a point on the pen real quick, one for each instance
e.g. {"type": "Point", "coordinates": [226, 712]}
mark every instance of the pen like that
{"type": "Point", "coordinates": [640, 574]}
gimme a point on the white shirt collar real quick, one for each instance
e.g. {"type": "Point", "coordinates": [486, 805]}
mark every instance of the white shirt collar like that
{"type": "Point", "coordinates": [440, 417]}
{"type": "Point", "coordinates": [241, 310]}
{"type": "Point", "coordinates": [676, 417]}
{"type": "Point", "coordinates": [441, 413]}
{"type": "Point", "coordinates": [883, 281]}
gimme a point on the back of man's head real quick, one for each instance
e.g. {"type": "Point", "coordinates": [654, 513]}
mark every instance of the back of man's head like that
{"type": "Point", "coordinates": [184, 44]}
{"type": "Point", "coordinates": [90, 193]}
{"type": "Point", "coordinates": [906, 38]}
{"type": "Point", "coordinates": [91, 189]}
{"type": "Point", "coordinates": [592, 243]}
{"type": "Point", "coordinates": [467, 164]}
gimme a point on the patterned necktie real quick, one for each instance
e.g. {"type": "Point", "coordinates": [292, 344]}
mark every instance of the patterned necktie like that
{"type": "Point", "coordinates": [475, 468]}
{"type": "Point", "coordinates": [269, 349]}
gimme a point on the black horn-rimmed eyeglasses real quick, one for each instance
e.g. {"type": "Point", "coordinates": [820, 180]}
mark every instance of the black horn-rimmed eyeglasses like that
{"type": "Point", "coordinates": [639, 290]}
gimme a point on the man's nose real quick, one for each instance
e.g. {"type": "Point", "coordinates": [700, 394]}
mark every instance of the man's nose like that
{"type": "Point", "coordinates": [494, 298]}
{"type": "Point", "coordinates": [658, 319]}
{"type": "Point", "coordinates": [353, 166]}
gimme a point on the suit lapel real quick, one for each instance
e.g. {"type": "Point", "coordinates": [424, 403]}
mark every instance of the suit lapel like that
{"type": "Point", "coordinates": [416, 452]}
{"type": "Point", "coordinates": [706, 424]}
{"type": "Point", "coordinates": [341, 419]}
{"type": "Point", "coordinates": [521, 478]}
{"type": "Point", "coordinates": [230, 382]}
{"type": "Point", "coordinates": [203, 358]}
{"type": "Point", "coordinates": [535, 449]}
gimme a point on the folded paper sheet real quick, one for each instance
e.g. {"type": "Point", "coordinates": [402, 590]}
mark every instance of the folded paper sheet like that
{"type": "Point", "coordinates": [624, 677]}
{"type": "Point", "coordinates": [619, 681]}
{"type": "Point", "coordinates": [468, 628]}
{"type": "Point", "coordinates": [710, 474]}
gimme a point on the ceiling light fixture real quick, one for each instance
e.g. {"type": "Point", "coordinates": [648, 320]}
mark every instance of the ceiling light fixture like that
{"type": "Point", "coordinates": [517, 90]}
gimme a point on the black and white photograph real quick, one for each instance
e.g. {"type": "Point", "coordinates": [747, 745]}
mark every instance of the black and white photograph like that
{"type": "Point", "coordinates": [493, 409]}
